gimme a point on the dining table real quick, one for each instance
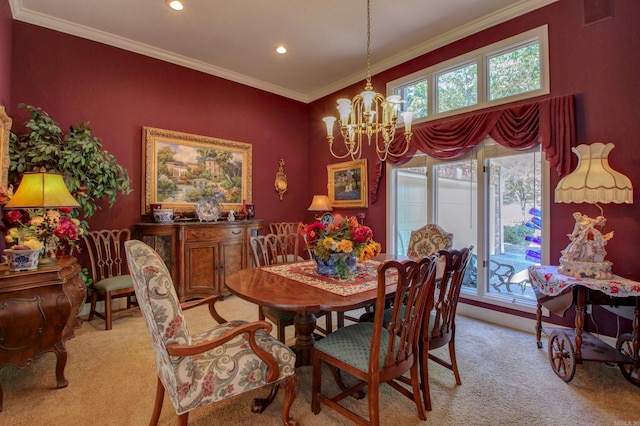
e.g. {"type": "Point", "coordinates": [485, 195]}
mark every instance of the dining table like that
{"type": "Point", "coordinates": [299, 287]}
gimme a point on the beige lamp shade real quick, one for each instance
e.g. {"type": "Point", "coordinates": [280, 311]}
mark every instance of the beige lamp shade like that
{"type": "Point", "coordinates": [594, 181]}
{"type": "Point", "coordinates": [320, 203]}
{"type": "Point", "coordinates": [41, 190]}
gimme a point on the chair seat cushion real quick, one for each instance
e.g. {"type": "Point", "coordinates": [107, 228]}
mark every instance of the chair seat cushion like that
{"type": "Point", "coordinates": [227, 370]}
{"type": "Point", "coordinates": [352, 344]}
{"type": "Point", "coordinates": [114, 283]}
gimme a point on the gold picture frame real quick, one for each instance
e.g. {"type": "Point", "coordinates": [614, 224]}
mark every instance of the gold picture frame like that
{"type": "Point", "coordinates": [181, 168]}
{"type": "Point", "coordinates": [347, 184]}
{"type": "Point", "coordinates": [5, 128]}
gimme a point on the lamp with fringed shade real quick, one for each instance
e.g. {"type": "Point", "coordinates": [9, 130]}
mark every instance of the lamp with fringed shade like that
{"type": "Point", "coordinates": [42, 190]}
{"type": "Point", "coordinates": [594, 182]}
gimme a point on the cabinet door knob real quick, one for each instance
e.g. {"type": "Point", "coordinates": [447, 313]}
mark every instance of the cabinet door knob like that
{"type": "Point", "coordinates": [236, 232]}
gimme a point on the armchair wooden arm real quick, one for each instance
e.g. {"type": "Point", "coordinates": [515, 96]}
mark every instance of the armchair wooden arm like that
{"type": "Point", "coordinates": [211, 300]}
{"type": "Point", "coordinates": [251, 328]}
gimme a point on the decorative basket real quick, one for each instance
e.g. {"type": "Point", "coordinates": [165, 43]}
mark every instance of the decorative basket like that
{"type": "Point", "coordinates": [22, 260]}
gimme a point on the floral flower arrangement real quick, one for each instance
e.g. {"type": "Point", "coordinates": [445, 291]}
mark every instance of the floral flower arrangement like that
{"type": "Point", "coordinates": [347, 237]}
{"type": "Point", "coordinates": [32, 228]}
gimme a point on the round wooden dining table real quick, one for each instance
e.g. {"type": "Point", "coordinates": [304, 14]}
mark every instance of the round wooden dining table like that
{"type": "Point", "coordinates": [264, 288]}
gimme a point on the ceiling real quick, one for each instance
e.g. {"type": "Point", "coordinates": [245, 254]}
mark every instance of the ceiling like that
{"type": "Point", "coordinates": [236, 40]}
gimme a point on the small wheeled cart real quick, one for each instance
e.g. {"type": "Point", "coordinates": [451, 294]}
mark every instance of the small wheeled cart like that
{"type": "Point", "coordinates": [567, 347]}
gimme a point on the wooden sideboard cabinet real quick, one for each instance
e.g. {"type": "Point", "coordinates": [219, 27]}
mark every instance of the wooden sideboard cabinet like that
{"type": "Point", "coordinates": [200, 255]}
{"type": "Point", "coordinates": [39, 313]}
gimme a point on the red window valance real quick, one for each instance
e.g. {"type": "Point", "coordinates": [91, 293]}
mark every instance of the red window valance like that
{"type": "Point", "coordinates": [550, 122]}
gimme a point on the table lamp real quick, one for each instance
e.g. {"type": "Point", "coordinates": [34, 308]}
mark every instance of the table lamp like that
{"type": "Point", "coordinates": [42, 190]}
{"type": "Point", "coordinates": [593, 181]}
{"type": "Point", "coordinates": [321, 203]}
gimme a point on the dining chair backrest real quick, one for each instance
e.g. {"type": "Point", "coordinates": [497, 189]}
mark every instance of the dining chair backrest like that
{"type": "Point", "coordinates": [274, 249]}
{"type": "Point", "coordinates": [441, 326]}
{"type": "Point", "coordinates": [280, 228]}
{"type": "Point", "coordinates": [428, 240]}
{"type": "Point", "coordinates": [415, 287]}
{"type": "Point", "coordinates": [106, 253]}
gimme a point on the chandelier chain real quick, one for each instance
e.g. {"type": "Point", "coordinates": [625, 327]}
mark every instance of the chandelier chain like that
{"type": "Point", "coordinates": [371, 117]}
{"type": "Point", "coordinates": [368, 41]}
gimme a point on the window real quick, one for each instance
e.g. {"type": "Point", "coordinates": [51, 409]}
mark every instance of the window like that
{"type": "Point", "coordinates": [457, 88]}
{"type": "Point", "coordinates": [512, 69]}
{"type": "Point", "coordinates": [491, 199]}
{"type": "Point", "coordinates": [415, 96]}
{"type": "Point", "coordinates": [514, 72]}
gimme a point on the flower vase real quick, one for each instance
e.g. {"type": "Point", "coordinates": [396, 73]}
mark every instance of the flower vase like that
{"type": "Point", "coordinates": [22, 260]}
{"type": "Point", "coordinates": [337, 265]}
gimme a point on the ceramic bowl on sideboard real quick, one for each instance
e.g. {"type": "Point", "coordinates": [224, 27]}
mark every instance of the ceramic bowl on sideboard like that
{"type": "Point", "coordinates": [163, 215]}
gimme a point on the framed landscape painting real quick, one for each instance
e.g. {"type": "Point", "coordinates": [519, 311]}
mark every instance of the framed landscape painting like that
{"type": "Point", "coordinates": [348, 184]}
{"type": "Point", "coordinates": [181, 168]}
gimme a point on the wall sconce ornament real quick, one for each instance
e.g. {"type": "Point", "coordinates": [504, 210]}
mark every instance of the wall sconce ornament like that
{"type": "Point", "coordinates": [281, 179]}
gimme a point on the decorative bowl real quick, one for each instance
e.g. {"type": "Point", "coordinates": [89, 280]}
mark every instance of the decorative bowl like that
{"type": "Point", "coordinates": [22, 260]}
{"type": "Point", "coordinates": [163, 215]}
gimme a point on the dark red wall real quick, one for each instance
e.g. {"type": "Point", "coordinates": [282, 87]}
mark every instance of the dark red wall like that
{"type": "Point", "coordinates": [119, 92]}
{"type": "Point", "coordinates": [6, 30]}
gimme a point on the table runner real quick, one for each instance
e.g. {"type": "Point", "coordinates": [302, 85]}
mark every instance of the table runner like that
{"type": "Point", "coordinates": [549, 281]}
{"type": "Point", "coordinates": [365, 278]}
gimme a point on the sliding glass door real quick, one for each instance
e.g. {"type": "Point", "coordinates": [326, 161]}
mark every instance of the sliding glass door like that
{"type": "Point", "coordinates": [491, 199]}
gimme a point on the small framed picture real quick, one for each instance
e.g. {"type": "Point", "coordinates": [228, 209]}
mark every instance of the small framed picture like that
{"type": "Point", "coordinates": [348, 184]}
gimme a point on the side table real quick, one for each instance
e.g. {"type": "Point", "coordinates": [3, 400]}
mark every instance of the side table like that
{"type": "Point", "coordinates": [39, 313]}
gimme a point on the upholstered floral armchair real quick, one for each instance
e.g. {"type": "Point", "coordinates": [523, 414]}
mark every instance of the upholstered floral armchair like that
{"type": "Point", "coordinates": [428, 240]}
{"type": "Point", "coordinates": [199, 369]}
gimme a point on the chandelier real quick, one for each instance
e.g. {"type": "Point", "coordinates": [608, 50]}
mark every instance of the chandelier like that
{"type": "Point", "coordinates": [369, 115]}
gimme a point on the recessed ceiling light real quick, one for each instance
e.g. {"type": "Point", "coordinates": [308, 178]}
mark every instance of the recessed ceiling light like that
{"type": "Point", "coordinates": [281, 49]}
{"type": "Point", "coordinates": [175, 4]}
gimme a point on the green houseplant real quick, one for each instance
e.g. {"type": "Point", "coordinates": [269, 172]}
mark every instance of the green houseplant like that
{"type": "Point", "coordinates": [90, 172]}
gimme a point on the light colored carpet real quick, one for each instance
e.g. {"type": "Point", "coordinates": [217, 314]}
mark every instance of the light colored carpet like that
{"type": "Point", "coordinates": [506, 380]}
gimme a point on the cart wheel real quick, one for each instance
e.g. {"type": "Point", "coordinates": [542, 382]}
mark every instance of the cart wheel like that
{"type": "Point", "coordinates": [630, 371]}
{"type": "Point", "coordinates": [561, 355]}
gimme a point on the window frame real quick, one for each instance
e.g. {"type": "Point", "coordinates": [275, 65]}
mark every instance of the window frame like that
{"type": "Point", "coordinates": [480, 57]}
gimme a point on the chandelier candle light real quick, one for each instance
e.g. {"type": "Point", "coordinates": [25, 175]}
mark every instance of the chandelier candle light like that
{"type": "Point", "coordinates": [45, 191]}
{"type": "Point", "coordinates": [369, 115]}
{"type": "Point", "coordinates": [593, 181]}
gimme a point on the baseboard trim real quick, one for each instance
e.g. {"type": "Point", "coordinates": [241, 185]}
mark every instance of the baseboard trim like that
{"type": "Point", "coordinates": [512, 321]}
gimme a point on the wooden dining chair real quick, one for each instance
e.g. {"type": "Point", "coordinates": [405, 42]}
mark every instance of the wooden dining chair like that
{"type": "Point", "coordinates": [111, 279]}
{"type": "Point", "coordinates": [374, 354]}
{"type": "Point", "coordinates": [439, 326]}
{"type": "Point", "coordinates": [272, 249]}
{"type": "Point", "coordinates": [196, 369]}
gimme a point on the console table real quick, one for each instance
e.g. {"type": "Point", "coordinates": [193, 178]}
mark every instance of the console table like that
{"type": "Point", "coordinates": [39, 313]}
{"type": "Point", "coordinates": [201, 255]}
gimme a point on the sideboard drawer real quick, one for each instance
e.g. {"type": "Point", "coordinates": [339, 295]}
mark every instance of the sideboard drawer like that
{"type": "Point", "coordinates": [214, 234]}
